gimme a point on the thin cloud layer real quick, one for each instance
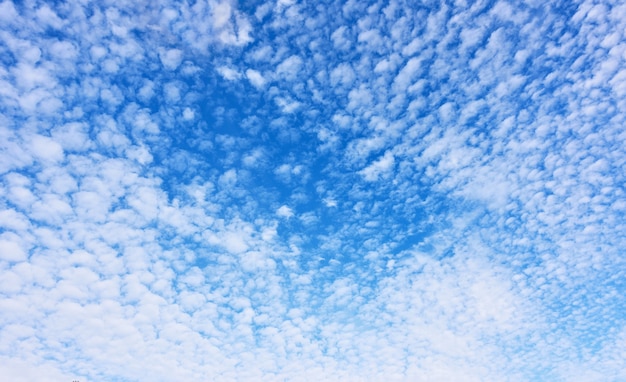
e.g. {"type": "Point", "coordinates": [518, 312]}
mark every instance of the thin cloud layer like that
{"type": "Point", "coordinates": [361, 191]}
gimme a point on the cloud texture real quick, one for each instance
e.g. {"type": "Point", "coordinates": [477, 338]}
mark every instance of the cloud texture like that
{"type": "Point", "coordinates": [347, 191]}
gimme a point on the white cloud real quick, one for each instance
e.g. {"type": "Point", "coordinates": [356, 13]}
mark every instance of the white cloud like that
{"type": "Point", "coordinates": [253, 158]}
{"type": "Point", "coordinates": [29, 77]}
{"type": "Point", "coordinates": [10, 250]}
{"type": "Point", "coordinates": [288, 105]}
{"type": "Point", "coordinates": [46, 149]}
{"type": "Point", "coordinates": [145, 201]}
{"type": "Point", "coordinates": [172, 91]}
{"type": "Point", "coordinates": [284, 211]}
{"type": "Point", "coordinates": [48, 17]}
{"type": "Point", "coordinates": [379, 168]}
{"type": "Point", "coordinates": [255, 78]}
{"type": "Point", "coordinates": [91, 206]}
{"type": "Point", "coordinates": [339, 39]}
{"type": "Point", "coordinates": [188, 114]}
{"type": "Point", "coordinates": [221, 14]}
{"type": "Point", "coordinates": [13, 220]}
{"type": "Point", "coordinates": [342, 74]}
{"type": "Point", "coordinates": [171, 58]}
{"type": "Point", "coordinates": [329, 202]}
{"type": "Point", "coordinates": [72, 136]}
{"type": "Point", "coordinates": [228, 73]}
{"type": "Point", "coordinates": [63, 50]}
{"type": "Point", "coordinates": [290, 67]}
{"type": "Point", "coordinates": [228, 179]}
{"type": "Point", "coordinates": [8, 12]}
{"type": "Point", "coordinates": [360, 99]}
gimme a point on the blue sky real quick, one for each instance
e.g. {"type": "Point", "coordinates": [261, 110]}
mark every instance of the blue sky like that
{"type": "Point", "coordinates": [312, 191]}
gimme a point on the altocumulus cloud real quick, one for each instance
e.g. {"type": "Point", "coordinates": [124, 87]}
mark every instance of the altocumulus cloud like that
{"type": "Point", "coordinates": [347, 191]}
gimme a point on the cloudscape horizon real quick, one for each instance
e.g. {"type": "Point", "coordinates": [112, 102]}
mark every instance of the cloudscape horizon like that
{"type": "Point", "coordinates": [312, 191]}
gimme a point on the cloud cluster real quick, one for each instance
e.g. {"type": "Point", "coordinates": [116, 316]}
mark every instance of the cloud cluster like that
{"type": "Point", "coordinates": [290, 190]}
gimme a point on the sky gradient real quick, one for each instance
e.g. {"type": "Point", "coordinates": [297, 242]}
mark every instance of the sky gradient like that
{"type": "Point", "coordinates": [313, 191]}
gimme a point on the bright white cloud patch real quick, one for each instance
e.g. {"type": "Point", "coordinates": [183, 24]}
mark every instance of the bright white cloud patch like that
{"type": "Point", "coordinates": [46, 149]}
{"type": "Point", "coordinates": [255, 78]}
{"type": "Point", "coordinates": [351, 191]}
{"type": "Point", "coordinates": [228, 73]}
{"type": "Point", "coordinates": [11, 251]}
{"type": "Point", "coordinates": [171, 58]}
{"type": "Point", "coordinates": [284, 212]}
{"type": "Point", "coordinates": [379, 168]}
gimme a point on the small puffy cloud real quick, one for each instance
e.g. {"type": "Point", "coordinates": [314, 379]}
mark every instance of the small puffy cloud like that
{"type": "Point", "coordinates": [144, 123]}
{"type": "Point", "coordinates": [51, 209]}
{"type": "Point", "coordinates": [73, 136]}
{"type": "Point", "coordinates": [288, 105]}
{"type": "Point", "coordinates": [8, 13]}
{"type": "Point", "coordinates": [221, 14]}
{"type": "Point", "coordinates": [237, 33]}
{"type": "Point", "coordinates": [342, 75]}
{"type": "Point", "coordinates": [284, 212]}
{"type": "Point", "coordinates": [447, 112]}
{"type": "Point", "coordinates": [360, 98]}
{"type": "Point", "coordinates": [233, 241]}
{"type": "Point", "coordinates": [63, 50]}
{"type": "Point", "coordinates": [228, 179]}
{"type": "Point", "coordinates": [10, 250]}
{"type": "Point", "coordinates": [228, 73]}
{"type": "Point", "coordinates": [330, 202]}
{"type": "Point", "coordinates": [46, 149]}
{"type": "Point", "coordinates": [254, 261]}
{"type": "Point", "coordinates": [47, 16]}
{"type": "Point", "coordinates": [256, 78]}
{"type": "Point", "coordinates": [11, 219]}
{"type": "Point", "coordinates": [172, 91]}
{"type": "Point", "coordinates": [286, 172]}
{"type": "Point", "coordinates": [29, 77]}
{"type": "Point", "coordinates": [171, 58]}
{"type": "Point", "coordinates": [140, 154]}
{"type": "Point", "coordinates": [407, 74]}
{"type": "Point", "coordinates": [379, 168]}
{"type": "Point", "coordinates": [188, 114]}
{"type": "Point", "coordinates": [340, 40]}
{"type": "Point", "coordinates": [91, 206]}
{"type": "Point", "coordinates": [290, 67]}
{"type": "Point", "coordinates": [146, 92]}
{"type": "Point", "coordinates": [262, 11]}
{"type": "Point", "coordinates": [145, 200]}
{"type": "Point", "coordinates": [253, 158]}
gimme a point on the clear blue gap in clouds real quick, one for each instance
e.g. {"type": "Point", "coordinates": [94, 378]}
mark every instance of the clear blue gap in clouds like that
{"type": "Point", "coordinates": [312, 191]}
